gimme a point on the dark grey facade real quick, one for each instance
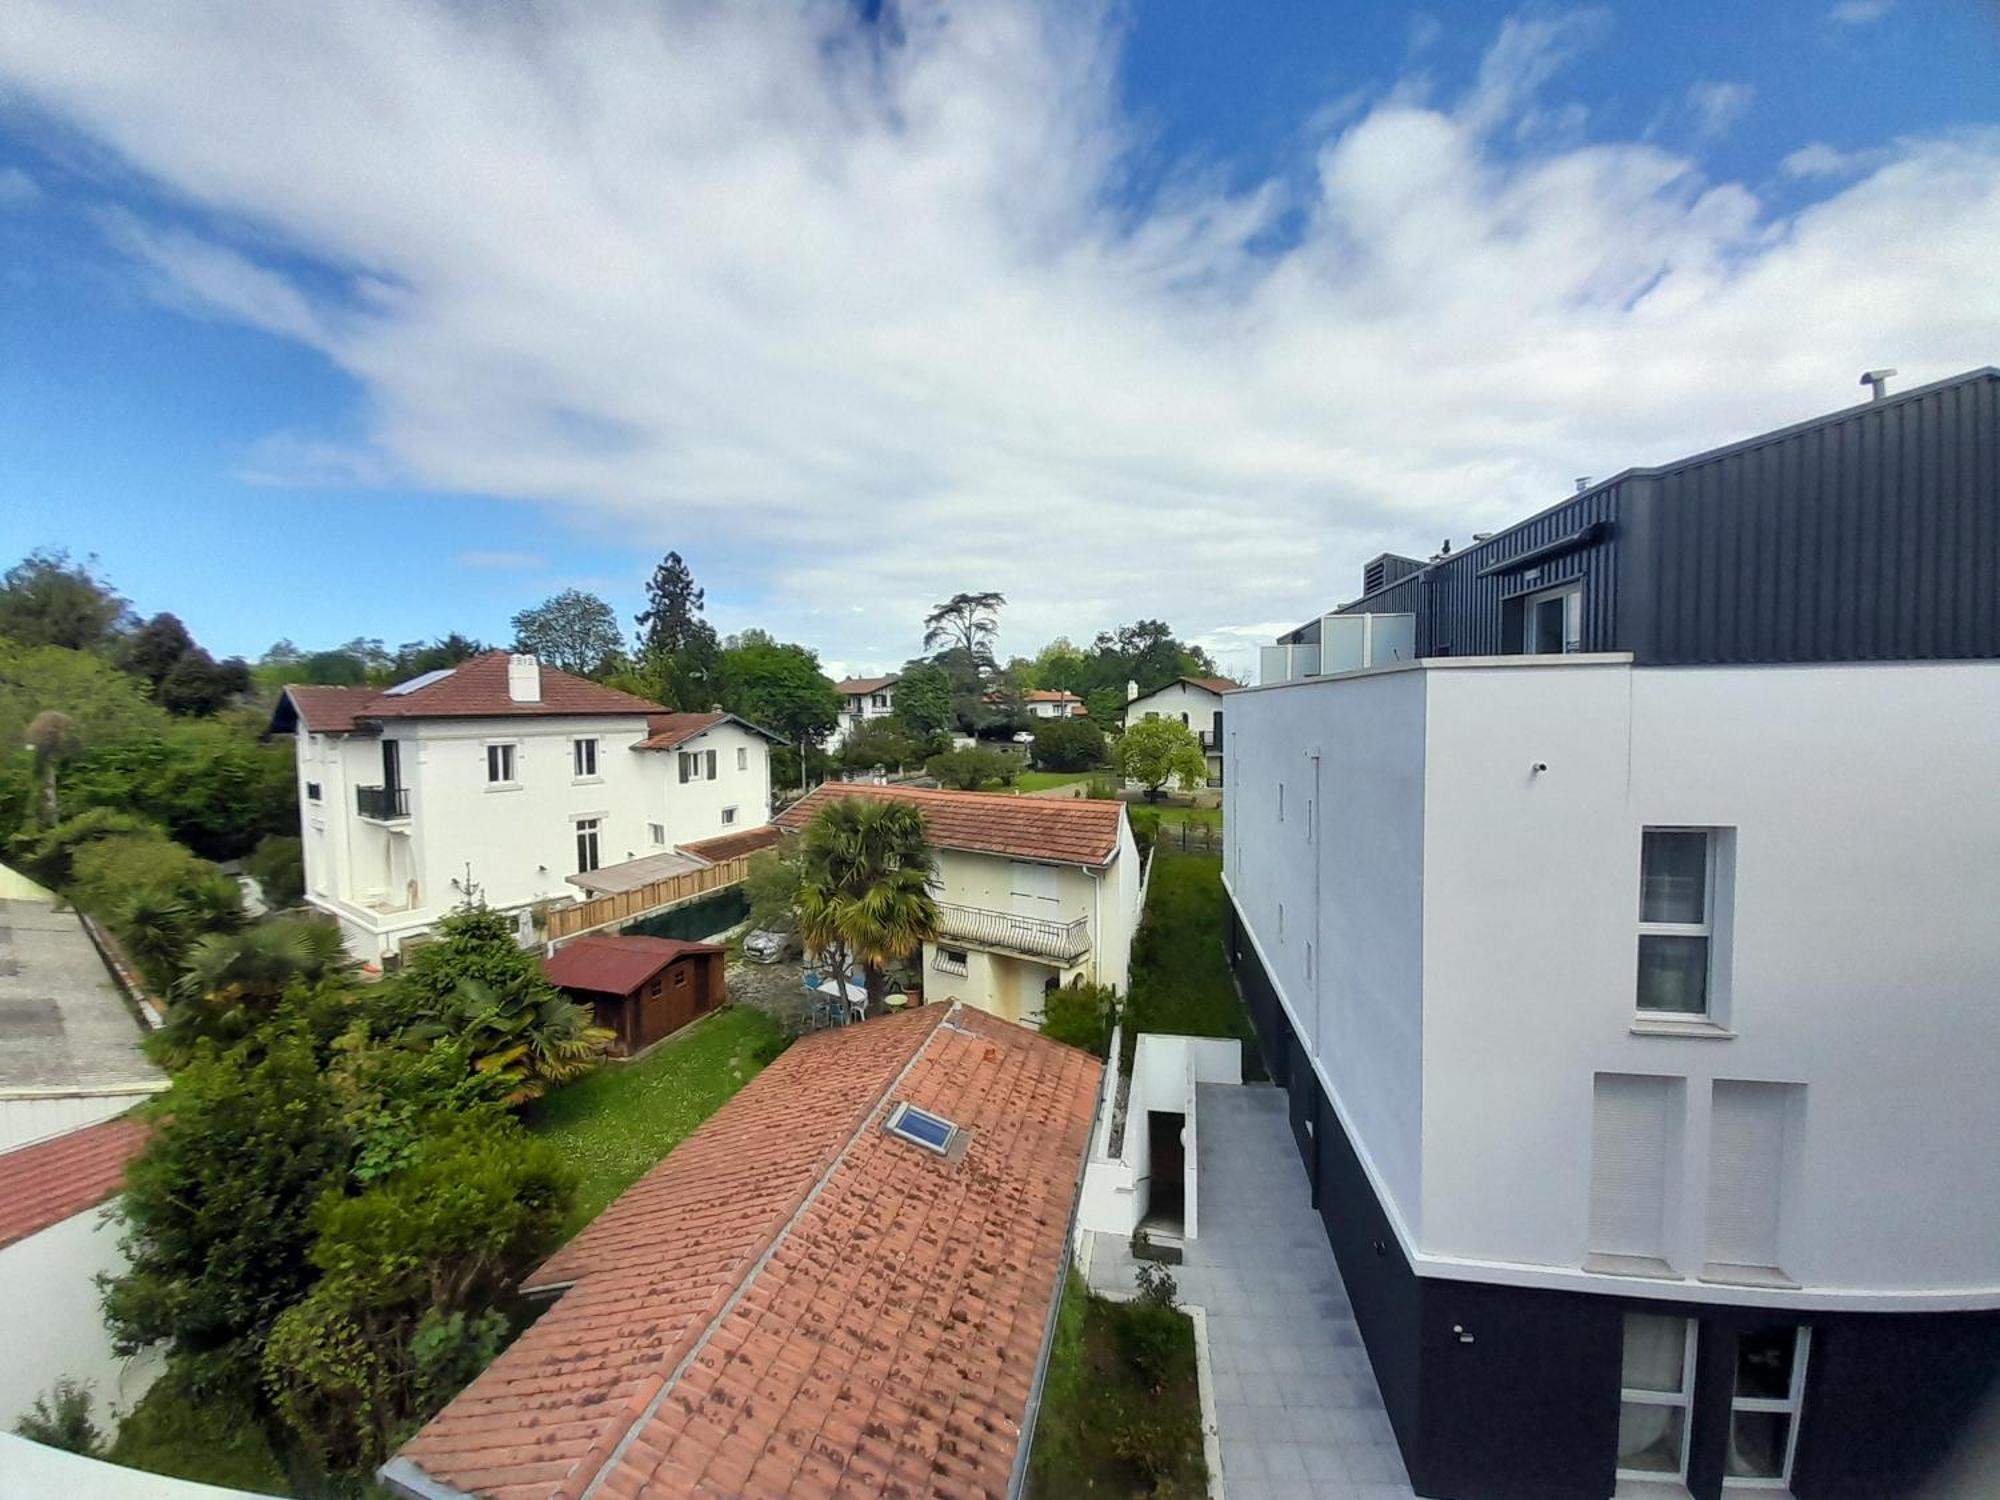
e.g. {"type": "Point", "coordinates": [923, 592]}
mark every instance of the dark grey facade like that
{"type": "Point", "coordinates": [1871, 534]}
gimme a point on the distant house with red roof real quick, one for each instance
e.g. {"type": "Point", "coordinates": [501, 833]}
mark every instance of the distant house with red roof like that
{"type": "Point", "coordinates": [1032, 892]}
{"type": "Point", "coordinates": [511, 780]}
{"type": "Point", "coordinates": [861, 699]}
{"type": "Point", "coordinates": [1196, 702]}
{"type": "Point", "coordinates": [843, 1283]}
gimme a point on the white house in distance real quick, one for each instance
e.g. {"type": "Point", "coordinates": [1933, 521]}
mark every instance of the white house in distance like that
{"type": "Point", "coordinates": [504, 777]}
{"type": "Point", "coordinates": [1629, 955]}
{"type": "Point", "coordinates": [1047, 703]}
{"type": "Point", "coordinates": [1196, 702]}
{"type": "Point", "coordinates": [1032, 892]}
{"type": "Point", "coordinates": [861, 699]}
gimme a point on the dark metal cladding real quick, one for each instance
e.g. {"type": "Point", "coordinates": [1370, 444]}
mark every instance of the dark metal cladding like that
{"type": "Point", "coordinates": [1872, 534]}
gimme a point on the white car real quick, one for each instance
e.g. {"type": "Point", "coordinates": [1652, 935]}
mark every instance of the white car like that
{"type": "Point", "coordinates": [1024, 737]}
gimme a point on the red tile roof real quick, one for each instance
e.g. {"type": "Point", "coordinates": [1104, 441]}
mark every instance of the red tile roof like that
{"type": "Point", "coordinates": [1049, 695]}
{"type": "Point", "coordinates": [853, 685]}
{"type": "Point", "coordinates": [795, 1303]}
{"type": "Point", "coordinates": [665, 731]}
{"type": "Point", "coordinates": [1071, 831]}
{"type": "Point", "coordinates": [474, 689]}
{"type": "Point", "coordinates": [1214, 684]}
{"type": "Point", "coordinates": [614, 965]}
{"type": "Point", "coordinates": [729, 845]}
{"type": "Point", "coordinates": [53, 1180]}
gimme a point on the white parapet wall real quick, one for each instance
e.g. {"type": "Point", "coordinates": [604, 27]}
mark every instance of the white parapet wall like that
{"type": "Point", "coordinates": [30, 1469]}
{"type": "Point", "coordinates": [1165, 1072]}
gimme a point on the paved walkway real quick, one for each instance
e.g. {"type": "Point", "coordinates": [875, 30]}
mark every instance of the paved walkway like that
{"type": "Point", "coordinates": [62, 1024]}
{"type": "Point", "coordinates": [1296, 1401]}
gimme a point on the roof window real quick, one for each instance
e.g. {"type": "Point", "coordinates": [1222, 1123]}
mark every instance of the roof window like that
{"type": "Point", "coordinates": [921, 1128]}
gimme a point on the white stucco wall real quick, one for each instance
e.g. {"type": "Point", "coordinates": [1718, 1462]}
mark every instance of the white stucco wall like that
{"type": "Point", "coordinates": [29, 1469]}
{"type": "Point", "coordinates": [37, 1114]}
{"type": "Point", "coordinates": [51, 1324]}
{"type": "Point", "coordinates": [1478, 921]}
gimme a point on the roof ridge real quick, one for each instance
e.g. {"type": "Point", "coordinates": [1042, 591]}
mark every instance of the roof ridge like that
{"type": "Point", "coordinates": [642, 1412]}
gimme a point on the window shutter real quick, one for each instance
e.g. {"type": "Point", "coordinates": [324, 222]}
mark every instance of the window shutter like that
{"type": "Point", "coordinates": [1746, 1171]}
{"type": "Point", "coordinates": [1631, 1132]}
{"type": "Point", "coordinates": [711, 765]}
{"type": "Point", "coordinates": [684, 767]}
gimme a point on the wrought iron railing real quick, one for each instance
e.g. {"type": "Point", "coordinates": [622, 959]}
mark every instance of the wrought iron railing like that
{"type": "Point", "coordinates": [382, 802]}
{"type": "Point", "coordinates": [1036, 936]}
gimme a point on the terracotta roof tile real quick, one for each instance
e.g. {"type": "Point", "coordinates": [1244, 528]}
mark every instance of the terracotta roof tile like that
{"type": "Point", "coordinates": [329, 710]}
{"type": "Point", "coordinates": [730, 845]}
{"type": "Point", "coordinates": [1214, 684]}
{"type": "Point", "coordinates": [1080, 831]}
{"type": "Point", "coordinates": [474, 689]}
{"type": "Point", "coordinates": [796, 1303]}
{"type": "Point", "coordinates": [615, 965]}
{"type": "Point", "coordinates": [665, 731]}
{"type": "Point", "coordinates": [852, 685]}
{"type": "Point", "coordinates": [53, 1180]}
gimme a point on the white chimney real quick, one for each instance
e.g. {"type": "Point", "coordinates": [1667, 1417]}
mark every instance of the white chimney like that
{"type": "Point", "coordinates": [524, 679]}
{"type": "Point", "coordinates": [1131, 690]}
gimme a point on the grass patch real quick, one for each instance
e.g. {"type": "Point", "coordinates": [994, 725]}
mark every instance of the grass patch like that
{"type": "Point", "coordinates": [1181, 982]}
{"type": "Point", "coordinates": [617, 1124]}
{"type": "Point", "coordinates": [1104, 1429]}
{"type": "Point", "coordinates": [1041, 781]}
{"type": "Point", "coordinates": [175, 1430]}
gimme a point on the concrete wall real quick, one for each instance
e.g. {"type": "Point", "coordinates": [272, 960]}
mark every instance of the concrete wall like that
{"type": "Point", "coordinates": [29, 1469]}
{"type": "Point", "coordinates": [1166, 1069]}
{"type": "Point", "coordinates": [51, 1323]}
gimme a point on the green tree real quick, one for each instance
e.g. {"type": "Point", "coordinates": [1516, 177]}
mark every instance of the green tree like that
{"type": "Point", "coordinates": [779, 687]}
{"type": "Point", "coordinates": [60, 1418]}
{"type": "Point", "coordinates": [864, 889]}
{"type": "Point", "coordinates": [1081, 1015]}
{"type": "Point", "coordinates": [573, 632]}
{"type": "Point", "coordinates": [277, 864]}
{"type": "Point", "coordinates": [922, 700]}
{"type": "Point", "coordinates": [771, 885]}
{"type": "Point", "coordinates": [1061, 667]}
{"type": "Point", "coordinates": [414, 658]}
{"type": "Point", "coordinates": [212, 782]}
{"type": "Point", "coordinates": [967, 622]}
{"type": "Point", "coordinates": [676, 645]}
{"type": "Point", "coordinates": [1156, 751]}
{"type": "Point", "coordinates": [152, 651]}
{"type": "Point", "coordinates": [46, 600]}
{"type": "Point", "coordinates": [882, 742]}
{"type": "Point", "coordinates": [970, 769]}
{"type": "Point", "coordinates": [232, 982]}
{"type": "Point", "coordinates": [1067, 745]}
{"type": "Point", "coordinates": [157, 898]}
{"type": "Point", "coordinates": [200, 686]}
{"type": "Point", "coordinates": [52, 739]}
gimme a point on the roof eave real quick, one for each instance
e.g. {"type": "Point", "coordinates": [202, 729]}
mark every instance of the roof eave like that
{"type": "Point", "coordinates": [406, 1477]}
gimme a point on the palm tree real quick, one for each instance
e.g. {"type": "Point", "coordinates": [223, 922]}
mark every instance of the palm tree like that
{"type": "Point", "coordinates": [53, 738]}
{"type": "Point", "coordinates": [232, 980]}
{"type": "Point", "coordinates": [865, 893]}
{"type": "Point", "coordinates": [528, 1038]}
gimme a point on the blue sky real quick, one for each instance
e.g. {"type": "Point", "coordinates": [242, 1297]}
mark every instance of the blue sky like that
{"type": "Point", "coordinates": [384, 320]}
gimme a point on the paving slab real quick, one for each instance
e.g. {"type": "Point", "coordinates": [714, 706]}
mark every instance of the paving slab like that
{"type": "Point", "coordinates": [63, 1024]}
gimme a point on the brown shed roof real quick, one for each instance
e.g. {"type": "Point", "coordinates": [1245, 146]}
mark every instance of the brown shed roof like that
{"type": "Point", "coordinates": [614, 965]}
{"type": "Point", "coordinates": [728, 845]}
{"type": "Point", "coordinates": [1074, 831]}
{"type": "Point", "coordinates": [795, 1303]}
{"type": "Point", "coordinates": [53, 1180]}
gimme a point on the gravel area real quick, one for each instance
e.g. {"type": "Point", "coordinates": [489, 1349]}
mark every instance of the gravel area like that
{"type": "Point", "coordinates": [778, 990]}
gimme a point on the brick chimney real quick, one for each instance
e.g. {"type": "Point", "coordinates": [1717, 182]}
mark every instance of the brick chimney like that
{"type": "Point", "coordinates": [524, 679]}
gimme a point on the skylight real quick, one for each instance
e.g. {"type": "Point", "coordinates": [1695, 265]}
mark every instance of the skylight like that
{"type": "Point", "coordinates": [419, 682]}
{"type": "Point", "coordinates": [920, 1128]}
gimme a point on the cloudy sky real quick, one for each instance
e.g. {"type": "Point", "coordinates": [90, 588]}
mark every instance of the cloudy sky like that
{"type": "Point", "coordinates": [392, 318]}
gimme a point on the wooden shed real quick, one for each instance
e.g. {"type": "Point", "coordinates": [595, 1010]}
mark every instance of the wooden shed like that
{"type": "Point", "coordinates": [642, 988]}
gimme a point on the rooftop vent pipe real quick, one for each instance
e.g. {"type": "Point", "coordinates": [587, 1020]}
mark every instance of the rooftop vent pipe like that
{"type": "Point", "coordinates": [1879, 379]}
{"type": "Point", "coordinates": [1582, 483]}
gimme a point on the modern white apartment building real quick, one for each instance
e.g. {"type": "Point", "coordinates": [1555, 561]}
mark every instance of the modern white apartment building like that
{"type": "Point", "coordinates": [507, 779]}
{"type": "Point", "coordinates": [1630, 959]}
{"type": "Point", "coordinates": [1032, 892]}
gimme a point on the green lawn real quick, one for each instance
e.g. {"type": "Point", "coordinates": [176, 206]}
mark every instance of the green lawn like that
{"type": "Point", "coordinates": [1041, 781]}
{"type": "Point", "coordinates": [1181, 982]}
{"type": "Point", "coordinates": [1103, 1429]}
{"type": "Point", "coordinates": [619, 1122]}
{"type": "Point", "coordinates": [214, 1440]}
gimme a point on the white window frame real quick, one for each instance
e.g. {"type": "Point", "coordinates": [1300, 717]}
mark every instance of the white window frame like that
{"type": "Point", "coordinates": [1572, 596]}
{"type": "Point", "coordinates": [728, 816]}
{"type": "Point", "coordinates": [593, 829]}
{"type": "Point", "coordinates": [659, 834]}
{"type": "Point", "coordinates": [577, 757]}
{"type": "Point", "coordinates": [1791, 1405]}
{"type": "Point", "coordinates": [313, 791]}
{"type": "Point", "coordinates": [512, 780]}
{"type": "Point", "coordinates": [1704, 929]}
{"type": "Point", "coordinates": [742, 757]}
{"type": "Point", "coordinates": [1683, 1398]}
{"type": "Point", "coordinates": [878, 700]}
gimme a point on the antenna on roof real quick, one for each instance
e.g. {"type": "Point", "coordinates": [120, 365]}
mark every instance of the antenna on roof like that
{"type": "Point", "coordinates": [1879, 379]}
{"type": "Point", "coordinates": [1582, 483]}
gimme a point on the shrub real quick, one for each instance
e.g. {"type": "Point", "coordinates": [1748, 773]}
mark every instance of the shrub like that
{"type": "Point", "coordinates": [1081, 1015]}
{"type": "Point", "coordinates": [157, 898]}
{"type": "Point", "coordinates": [1103, 788]}
{"type": "Point", "coordinates": [1157, 1287]}
{"type": "Point", "coordinates": [969, 770]}
{"type": "Point", "coordinates": [880, 742]}
{"type": "Point", "coordinates": [1067, 745]}
{"type": "Point", "coordinates": [1145, 827]}
{"type": "Point", "coordinates": [1149, 1338]}
{"type": "Point", "coordinates": [60, 1418]}
{"type": "Point", "coordinates": [278, 866]}
{"type": "Point", "coordinates": [50, 854]}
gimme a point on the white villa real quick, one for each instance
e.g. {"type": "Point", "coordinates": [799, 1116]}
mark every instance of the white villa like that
{"type": "Point", "coordinates": [1196, 702]}
{"type": "Point", "coordinates": [861, 699]}
{"type": "Point", "coordinates": [1032, 892]}
{"type": "Point", "coordinates": [509, 779]}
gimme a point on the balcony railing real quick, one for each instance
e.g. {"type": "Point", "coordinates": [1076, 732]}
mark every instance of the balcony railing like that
{"type": "Point", "coordinates": [1035, 936]}
{"type": "Point", "coordinates": [382, 803]}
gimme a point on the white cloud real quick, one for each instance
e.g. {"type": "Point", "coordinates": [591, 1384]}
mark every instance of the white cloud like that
{"type": "Point", "coordinates": [1859, 12]}
{"type": "Point", "coordinates": [1717, 107]}
{"type": "Point", "coordinates": [17, 188]}
{"type": "Point", "coordinates": [857, 323]}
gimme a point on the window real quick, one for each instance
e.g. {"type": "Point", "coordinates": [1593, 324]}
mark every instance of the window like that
{"type": "Point", "coordinates": [1552, 621]}
{"type": "Point", "coordinates": [1635, 1132]}
{"type": "Point", "coordinates": [1657, 1386]}
{"type": "Point", "coordinates": [1676, 909]}
{"type": "Point", "coordinates": [710, 761]}
{"type": "Point", "coordinates": [950, 961]}
{"type": "Point", "coordinates": [878, 700]}
{"type": "Point", "coordinates": [586, 844]}
{"type": "Point", "coordinates": [697, 765]}
{"type": "Point", "coordinates": [312, 791]}
{"type": "Point", "coordinates": [742, 758]}
{"type": "Point", "coordinates": [584, 754]}
{"type": "Point", "coordinates": [921, 1128]}
{"type": "Point", "coordinates": [1764, 1407]}
{"type": "Point", "coordinates": [728, 816]}
{"type": "Point", "coordinates": [1749, 1131]}
{"type": "Point", "coordinates": [500, 765]}
{"type": "Point", "coordinates": [658, 831]}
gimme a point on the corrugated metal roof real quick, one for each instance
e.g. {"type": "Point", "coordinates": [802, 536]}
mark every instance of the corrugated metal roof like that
{"type": "Point", "coordinates": [616, 965]}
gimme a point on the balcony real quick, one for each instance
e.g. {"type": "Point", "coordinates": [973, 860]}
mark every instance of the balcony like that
{"type": "Point", "coordinates": [1035, 937]}
{"type": "Point", "coordinates": [385, 804]}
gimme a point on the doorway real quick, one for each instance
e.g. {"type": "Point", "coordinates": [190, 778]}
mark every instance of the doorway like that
{"type": "Point", "coordinates": [1166, 1203]}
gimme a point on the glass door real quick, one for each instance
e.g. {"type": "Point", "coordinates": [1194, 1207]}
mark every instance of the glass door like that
{"type": "Point", "coordinates": [1657, 1389]}
{"type": "Point", "coordinates": [1764, 1407]}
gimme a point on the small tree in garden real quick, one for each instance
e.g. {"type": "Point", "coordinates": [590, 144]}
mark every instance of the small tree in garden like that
{"type": "Point", "coordinates": [60, 1418]}
{"type": "Point", "coordinates": [1155, 751]}
{"type": "Point", "coordinates": [1081, 1015]}
{"type": "Point", "coordinates": [1067, 745]}
{"type": "Point", "coordinates": [922, 699]}
{"type": "Point", "coordinates": [53, 739]}
{"type": "Point", "coordinates": [864, 892]}
{"type": "Point", "coordinates": [969, 770]}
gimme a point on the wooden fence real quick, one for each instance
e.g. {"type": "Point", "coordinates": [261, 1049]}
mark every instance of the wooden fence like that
{"type": "Point", "coordinates": [628, 906]}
